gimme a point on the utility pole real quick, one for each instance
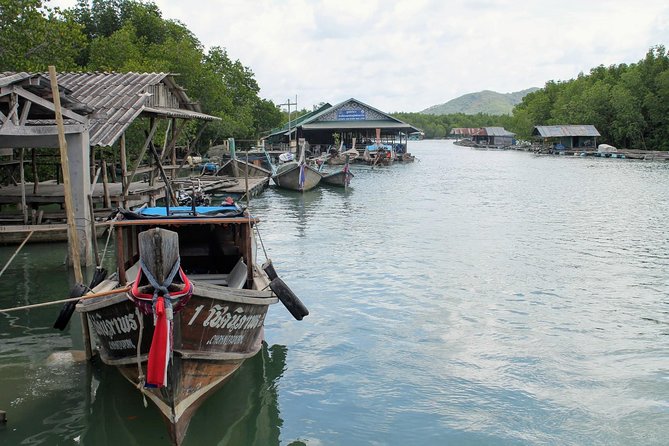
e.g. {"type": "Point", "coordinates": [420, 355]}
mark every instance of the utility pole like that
{"type": "Point", "coordinates": [289, 104]}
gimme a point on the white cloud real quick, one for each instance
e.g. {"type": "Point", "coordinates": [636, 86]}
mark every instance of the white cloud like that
{"type": "Point", "coordinates": [408, 55]}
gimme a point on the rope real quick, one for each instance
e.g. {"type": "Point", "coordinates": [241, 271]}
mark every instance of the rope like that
{"type": "Point", "coordinates": [16, 252]}
{"type": "Point", "coordinates": [110, 229]}
{"type": "Point", "coordinates": [158, 288]}
{"type": "Point", "coordinates": [261, 243]}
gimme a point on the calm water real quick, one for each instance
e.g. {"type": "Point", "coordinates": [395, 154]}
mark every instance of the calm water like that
{"type": "Point", "coordinates": [473, 297]}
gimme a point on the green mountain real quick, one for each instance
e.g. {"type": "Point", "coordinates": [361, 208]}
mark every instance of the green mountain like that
{"type": "Point", "coordinates": [486, 101]}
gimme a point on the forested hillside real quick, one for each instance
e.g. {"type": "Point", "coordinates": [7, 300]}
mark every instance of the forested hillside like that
{"type": "Point", "coordinates": [486, 102]}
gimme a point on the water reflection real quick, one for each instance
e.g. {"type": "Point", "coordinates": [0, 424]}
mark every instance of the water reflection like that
{"type": "Point", "coordinates": [302, 206]}
{"type": "Point", "coordinates": [244, 412]}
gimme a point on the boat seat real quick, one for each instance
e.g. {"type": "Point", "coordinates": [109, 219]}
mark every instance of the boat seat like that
{"type": "Point", "coordinates": [237, 277]}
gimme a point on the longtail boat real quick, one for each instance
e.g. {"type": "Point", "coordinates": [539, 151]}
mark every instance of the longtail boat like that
{"type": "Point", "coordinates": [296, 175]}
{"type": "Point", "coordinates": [191, 304]}
{"type": "Point", "coordinates": [340, 178]}
{"type": "Point", "coordinates": [237, 168]}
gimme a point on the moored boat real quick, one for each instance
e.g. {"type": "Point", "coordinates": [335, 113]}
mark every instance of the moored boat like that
{"type": "Point", "coordinates": [340, 178]}
{"type": "Point", "coordinates": [296, 175]}
{"type": "Point", "coordinates": [191, 304]}
{"type": "Point", "coordinates": [237, 168]}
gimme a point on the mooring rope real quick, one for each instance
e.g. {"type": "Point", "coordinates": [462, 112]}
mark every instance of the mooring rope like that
{"type": "Point", "coordinates": [110, 229]}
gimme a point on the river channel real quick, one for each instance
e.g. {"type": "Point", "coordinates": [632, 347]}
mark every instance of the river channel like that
{"type": "Point", "coordinates": [472, 297]}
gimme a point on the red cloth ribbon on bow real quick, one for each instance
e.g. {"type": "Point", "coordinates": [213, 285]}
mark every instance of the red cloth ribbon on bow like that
{"type": "Point", "coordinates": [159, 355]}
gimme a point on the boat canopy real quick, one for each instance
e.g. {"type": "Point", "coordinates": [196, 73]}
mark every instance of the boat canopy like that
{"type": "Point", "coordinates": [232, 210]}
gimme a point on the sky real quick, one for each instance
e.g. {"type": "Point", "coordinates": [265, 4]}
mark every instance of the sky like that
{"type": "Point", "coordinates": [408, 55]}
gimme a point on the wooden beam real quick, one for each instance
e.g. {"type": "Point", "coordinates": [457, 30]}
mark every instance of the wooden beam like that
{"type": "Point", "coordinates": [49, 105]}
{"type": "Point", "coordinates": [154, 126]}
{"type": "Point", "coordinates": [173, 141]}
{"type": "Point", "coordinates": [24, 112]}
{"type": "Point", "coordinates": [39, 130]}
{"type": "Point", "coordinates": [190, 147]}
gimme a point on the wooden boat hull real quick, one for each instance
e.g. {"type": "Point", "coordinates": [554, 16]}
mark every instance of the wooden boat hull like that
{"type": "Point", "coordinates": [340, 179]}
{"type": "Point", "coordinates": [240, 169]}
{"type": "Point", "coordinates": [288, 177]}
{"type": "Point", "coordinates": [213, 334]}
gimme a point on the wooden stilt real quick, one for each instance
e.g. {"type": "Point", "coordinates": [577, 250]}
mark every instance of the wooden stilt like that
{"type": "Point", "coordinates": [35, 175]}
{"type": "Point", "coordinates": [65, 166]}
{"type": "Point", "coordinates": [105, 185]}
{"type": "Point", "coordinates": [24, 207]}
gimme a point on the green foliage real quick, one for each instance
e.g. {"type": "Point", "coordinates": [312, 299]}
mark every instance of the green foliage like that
{"type": "Point", "coordinates": [628, 104]}
{"type": "Point", "coordinates": [32, 37]}
{"type": "Point", "coordinates": [132, 35]}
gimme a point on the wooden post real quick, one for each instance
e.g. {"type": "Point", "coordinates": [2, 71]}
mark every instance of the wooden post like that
{"type": "Point", "coordinates": [92, 161]}
{"type": "Point", "coordinates": [105, 185]}
{"type": "Point", "coordinates": [35, 177]}
{"type": "Point", "coordinates": [113, 169]}
{"type": "Point", "coordinates": [24, 206]}
{"type": "Point", "coordinates": [124, 171]}
{"type": "Point", "coordinates": [65, 165]}
{"type": "Point", "coordinates": [174, 151]}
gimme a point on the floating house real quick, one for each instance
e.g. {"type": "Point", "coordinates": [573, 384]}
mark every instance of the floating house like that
{"type": "Point", "coordinates": [485, 136]}
{"type": "Point", "coordinates": [562, 137]}
{"type": "Point", "coordinates": [494, 136]}
{"type": "Point", "coordinates": [464, 132]}
{"type": "Point", "coordinates": [348, 120]}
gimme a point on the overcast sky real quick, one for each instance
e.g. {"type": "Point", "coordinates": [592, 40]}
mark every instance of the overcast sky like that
{"type": "Point", "coordinates": [407, 55]}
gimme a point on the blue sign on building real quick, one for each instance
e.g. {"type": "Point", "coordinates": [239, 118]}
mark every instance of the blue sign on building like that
{"type": "Point", "coordinates": [356, 114]}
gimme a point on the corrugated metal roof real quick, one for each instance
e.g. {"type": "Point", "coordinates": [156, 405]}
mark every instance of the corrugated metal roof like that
{"type": "Point", "coordinates": [8, 78]}
{"type": "Point", "coordinates": [497, 131]}
{"type": "Point", "coordinates": [180, 113]}
{"type": "Point", "coordinates": [40, 84]}
{"type": "Point", "coordinates": [556, 131]}
{"type": "Point", "coordinates": [119, 98]}
{"type": "Point", "coordinates": [309, 121]}
{"type": "Point", "coordinates": [297, 121]}
{"type": "Point", "coordinates": [384, 117]}
{"type": "Point", "coordinates": [467, 131]}
{"type": "Point", "coordinates": [362, 124]}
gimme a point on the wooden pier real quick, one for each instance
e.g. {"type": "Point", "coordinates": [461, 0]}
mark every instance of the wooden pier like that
{"type": "Point", "coordinates": [48, 223]}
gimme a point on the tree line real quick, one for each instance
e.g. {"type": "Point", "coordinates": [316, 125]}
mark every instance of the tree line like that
{"type": "Point", "coordinates": [131, 35]}
{"type": "Point", "coordinates": [628, 104]}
